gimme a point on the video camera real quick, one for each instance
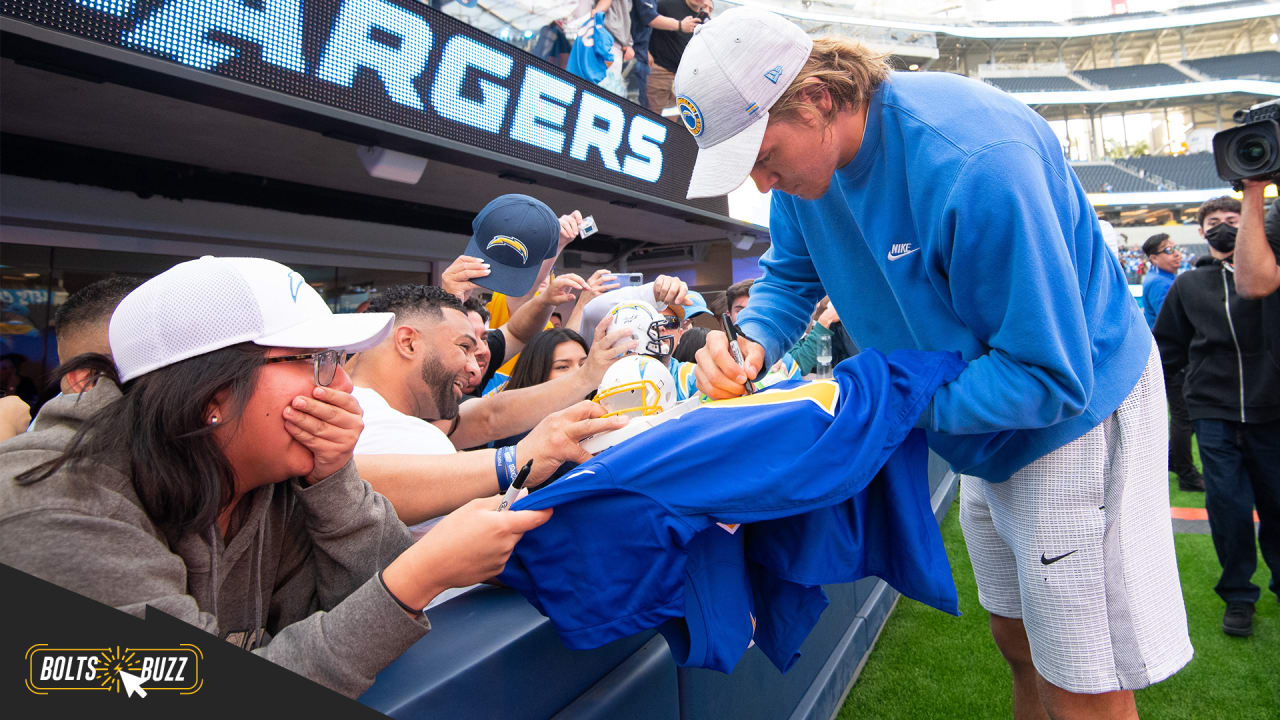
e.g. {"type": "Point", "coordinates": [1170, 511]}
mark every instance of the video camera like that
{"type": "Point", "coordinates": [1251, 150]}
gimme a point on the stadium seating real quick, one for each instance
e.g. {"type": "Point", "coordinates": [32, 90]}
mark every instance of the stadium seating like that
{"type": "Point", "coordinates": [1187, 172]}
{"type": "Point", "coordinates": [1264, 65]}
{"type": "Point", "coordinates": [1096, 176]}
{"type": "Point", "coordinates": [1035, 84]}
{"type": "Point", "coordinates": [1132, 76]}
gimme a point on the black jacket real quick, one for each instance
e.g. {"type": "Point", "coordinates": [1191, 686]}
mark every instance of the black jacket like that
{"type": "Point", "coordinates": [1219, 337]}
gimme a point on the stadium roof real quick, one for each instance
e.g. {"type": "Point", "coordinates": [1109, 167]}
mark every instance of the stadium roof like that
{"type": "Point", "coordinates": [521, 16]}
{"type": "Point", "coordinates": [1186, 17]}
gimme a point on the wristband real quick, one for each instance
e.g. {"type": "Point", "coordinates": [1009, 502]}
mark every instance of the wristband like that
{"type": "Point", "coordinates": [399, 602]}
{"type": "Point", "coordinates": [505, 460]}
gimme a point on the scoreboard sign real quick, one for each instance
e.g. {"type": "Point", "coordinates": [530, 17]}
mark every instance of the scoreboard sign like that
{"type": "Point", "coordinates": [401, 62]}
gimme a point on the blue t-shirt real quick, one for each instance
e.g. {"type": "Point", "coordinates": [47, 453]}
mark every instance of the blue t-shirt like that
{"type": "Point", "coordinates": [828, 481]}
{"type": "Point", "coordinates": [960, 226]}
{"type": "Point", "coordinates": [1155, 286]}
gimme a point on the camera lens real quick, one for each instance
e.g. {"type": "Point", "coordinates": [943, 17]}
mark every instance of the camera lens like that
{"type": "Point", "coordinates": [1253, 151]}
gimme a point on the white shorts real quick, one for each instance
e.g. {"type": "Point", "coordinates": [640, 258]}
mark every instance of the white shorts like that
{"type": "Point", "coordinates": [1079, 545]}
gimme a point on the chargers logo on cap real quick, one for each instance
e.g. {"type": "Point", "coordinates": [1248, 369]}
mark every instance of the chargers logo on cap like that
{"type": "Point", "coordinates": [514, 244]}
{"type": "Point", "coordinates": [690, 114]}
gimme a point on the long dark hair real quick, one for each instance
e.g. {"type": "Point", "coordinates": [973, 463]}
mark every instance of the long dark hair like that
{"type": "Point", "coordinates": [159, 426]}
{"type": "Point", "coordinates": [690, 343]}
{"type": "Point", "coordinates": [539, 355]}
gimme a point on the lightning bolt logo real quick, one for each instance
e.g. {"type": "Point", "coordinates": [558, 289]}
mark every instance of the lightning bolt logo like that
{"type": "Point", "coordinates": [514, 244]}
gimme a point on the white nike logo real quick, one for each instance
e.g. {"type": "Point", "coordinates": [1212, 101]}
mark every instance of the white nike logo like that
{"type": "Point", "coordinates": [900, 250]}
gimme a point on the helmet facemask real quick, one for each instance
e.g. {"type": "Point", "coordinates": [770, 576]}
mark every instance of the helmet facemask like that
{"type": "Point", "coordinates": [647, 398]}
{"type": "Point", "coordinates": [658, 343]}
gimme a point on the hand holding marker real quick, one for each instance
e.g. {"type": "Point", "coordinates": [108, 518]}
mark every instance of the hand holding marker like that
{"type": "Point", "coordinates": [731, 332]}
{"type": "Point", "coordinates": [516, 486]}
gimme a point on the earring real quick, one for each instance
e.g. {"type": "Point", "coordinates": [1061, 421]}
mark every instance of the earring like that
{"type": "Point", "coordinates": [213, 419]}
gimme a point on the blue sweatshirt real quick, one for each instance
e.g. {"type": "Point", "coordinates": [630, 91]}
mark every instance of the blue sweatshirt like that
{"type": "Point", "coordinates": [636, 540]}
{"type": "Point", "coordinates": [1155, 286]}
{"type": "Point", "coordinates": [959, 226]}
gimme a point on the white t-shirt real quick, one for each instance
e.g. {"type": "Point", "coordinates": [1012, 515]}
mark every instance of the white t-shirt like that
{"type": "Point", "coordinates": [388, 431]}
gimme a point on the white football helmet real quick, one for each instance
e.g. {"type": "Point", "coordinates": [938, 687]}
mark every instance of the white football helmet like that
{"type": "Point", "coordinates": [646, 325]}
{"type": "Point", "coordinates": [637, 385]}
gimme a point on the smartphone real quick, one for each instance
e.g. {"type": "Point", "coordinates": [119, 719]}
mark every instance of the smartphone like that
{"type": "Point", "coordinates": [588, 227]}
{"type": "Point", "coordinates": [628, 279]}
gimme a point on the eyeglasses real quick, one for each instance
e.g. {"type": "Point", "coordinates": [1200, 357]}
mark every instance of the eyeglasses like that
{"type": "Point", "coordinates": [1167, 251]}
{"type": "Point", "coordinates": [324, 367]}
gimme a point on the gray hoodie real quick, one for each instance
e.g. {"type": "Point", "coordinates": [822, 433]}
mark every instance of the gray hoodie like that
{"type": "Point", "coordinates": [296, 582]}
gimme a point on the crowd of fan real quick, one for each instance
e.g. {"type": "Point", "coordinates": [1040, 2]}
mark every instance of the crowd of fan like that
{"type": "Point", "coordinates": [362, 454]}
{"type": "Point", "coordinates": [648, 39]}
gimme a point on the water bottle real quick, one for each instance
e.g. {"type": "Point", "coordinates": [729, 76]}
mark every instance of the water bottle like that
{"type": "Point", "coordinates": [824, 356]}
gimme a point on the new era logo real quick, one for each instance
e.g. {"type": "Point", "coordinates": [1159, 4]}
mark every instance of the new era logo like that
{"type": "Point", "coordinates": [774, 75]}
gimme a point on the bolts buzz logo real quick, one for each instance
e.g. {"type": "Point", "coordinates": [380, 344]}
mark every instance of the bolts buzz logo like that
{"type": "Point", "coordinates": [508, 241]}
{"type": "Point", "coordinates": [690, 114]}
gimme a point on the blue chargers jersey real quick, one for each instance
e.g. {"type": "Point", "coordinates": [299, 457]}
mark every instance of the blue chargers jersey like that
{"type": "Point", "coordinates": [720, 526]}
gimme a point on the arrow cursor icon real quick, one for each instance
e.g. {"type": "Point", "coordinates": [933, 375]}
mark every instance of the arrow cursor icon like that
{"type": "Point", "coordinates": [132, 684]}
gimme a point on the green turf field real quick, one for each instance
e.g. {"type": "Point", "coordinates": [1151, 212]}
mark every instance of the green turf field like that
{"type": "Point", "coordinates": [928, 664]}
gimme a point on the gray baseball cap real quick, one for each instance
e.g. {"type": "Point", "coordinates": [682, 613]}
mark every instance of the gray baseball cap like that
{"type": "Point", "coordinates": [734, 69]}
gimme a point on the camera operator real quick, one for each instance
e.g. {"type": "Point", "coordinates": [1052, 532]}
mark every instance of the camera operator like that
{"type": "Point", "coordinates": [1257, 271]}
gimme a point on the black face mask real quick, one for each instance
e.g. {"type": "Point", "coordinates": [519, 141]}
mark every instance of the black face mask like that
{"type": "Point", "coordinates": [1221, 237]}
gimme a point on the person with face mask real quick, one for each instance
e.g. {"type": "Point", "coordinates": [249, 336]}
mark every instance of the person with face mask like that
{"type": "Point", "coordinates": [1232, 392]}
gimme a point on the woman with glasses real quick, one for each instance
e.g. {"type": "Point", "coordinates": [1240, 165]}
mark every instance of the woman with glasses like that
{"type": "Point", "coordinates": [209, 475]}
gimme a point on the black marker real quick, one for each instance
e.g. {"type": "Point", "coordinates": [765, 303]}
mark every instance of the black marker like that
{"type": "Point", "coordinates": [516, 485]}
{"type": "Point", "coordinates": [732, 334]}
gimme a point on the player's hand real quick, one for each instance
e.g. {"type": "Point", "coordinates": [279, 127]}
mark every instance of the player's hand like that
{"type": "Point", "coordinates": [628, 53]}
{"type": "Point", "coordinates": [569, 226]}
{"type": "Point", "coordinates": [555, 440]}
{"type": "Point", "coordinates": [469, 545]}
{"type": "Point", "coordinates": [718, 374]}
{"type": "Point", "coordinates": [606, 348]}
{"type": "Point", "coordinates": [457, 278]}
{"type": "Point", "coordinates": [328, 424]}
{"type": "Point", "coordinates": [670, 290]}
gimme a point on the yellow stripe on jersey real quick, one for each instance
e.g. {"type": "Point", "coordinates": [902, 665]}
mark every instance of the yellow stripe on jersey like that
{"type": "Point", "coordinates": [823, 393]}
{"type": "Point", "coordinates": [686, 378]}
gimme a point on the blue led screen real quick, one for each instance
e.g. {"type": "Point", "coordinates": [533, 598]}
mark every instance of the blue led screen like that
{"type": "Point", "coordinates": [401, 62]}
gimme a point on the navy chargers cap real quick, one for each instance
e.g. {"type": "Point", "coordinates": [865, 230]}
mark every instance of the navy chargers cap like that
{"type": "Point", "coordinates": [514, 234]}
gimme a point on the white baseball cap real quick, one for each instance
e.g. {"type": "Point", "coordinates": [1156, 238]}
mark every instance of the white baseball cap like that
{"type": "Point", "coordinates": [207, 304]}
{"type": "Point", "coordinates": [734, 69]}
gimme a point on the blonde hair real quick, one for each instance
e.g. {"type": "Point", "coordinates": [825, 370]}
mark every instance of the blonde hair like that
{"type": "Point", "coordinates": [848, 70]}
